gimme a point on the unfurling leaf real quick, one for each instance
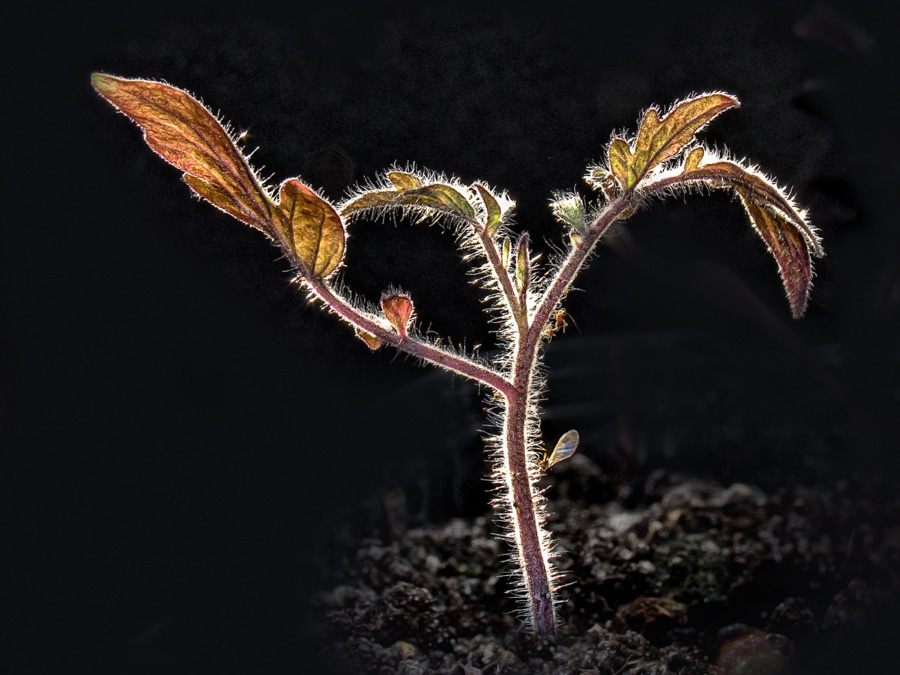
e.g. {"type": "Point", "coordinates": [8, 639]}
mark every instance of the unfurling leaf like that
{"type": "Point", "coordinates": [184, 133]}
{"type": "Point", "coordinates": [492, 210]}
{"type": "Point", "coordinates": [523, 264]}
{"type": "Point", "coordinates": [659, 139]}
{"type": "Point", "coordinates": [438, 197]}
{"type": "Point", "coordinates": [398, 309]}
{"type": "Point", "coordinates": [312, 227]}
{"type": "Point", "coordinates": [371, 341]}
{"type": "Point", "coordinates": [790, 238]}
{"type": "Point", "coordinates": [600, 179]}
{"type": "Point", "coordinates": [569, 209]}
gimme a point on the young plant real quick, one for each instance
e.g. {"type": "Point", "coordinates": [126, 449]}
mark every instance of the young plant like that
{"type": "Point", "coordinates": [524, 296]}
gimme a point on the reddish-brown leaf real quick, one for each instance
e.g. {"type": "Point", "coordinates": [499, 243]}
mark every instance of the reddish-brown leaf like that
{"type": "Point", "coordinates": [312, 226]}
{"type": "Point", "coordinates": [790, 238]}
{"type": "Point", "coordinates": [398, 309]}
{"type": "Point", "coordinates": [725, 174]}
{"type": "Point", "coordinates": [184, 133]}
{"type": "Point", "coordinates": [787, 245]}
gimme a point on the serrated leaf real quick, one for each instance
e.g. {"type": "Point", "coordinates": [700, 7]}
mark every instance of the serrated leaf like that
{"type": "Point", "coordinates": [786, 244]}
{"type": "Point", "coordinates": [312, 226]}
{"type": "Point", "coordinates": [491, 208]}
{"type": "Point", "coordinates": [398, 309]}
{"type": "Point", "coordinates": [184, 133]}
{"type": "Point", "coordinates": [660, 139]}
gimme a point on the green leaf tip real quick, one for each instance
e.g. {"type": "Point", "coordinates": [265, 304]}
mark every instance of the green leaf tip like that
{"type": "Point", "coordinates": [103, 83]}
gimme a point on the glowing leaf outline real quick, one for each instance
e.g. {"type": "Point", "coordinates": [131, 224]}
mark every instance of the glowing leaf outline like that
{"type": "Point", "coordinates": [182, 131]}
{"type": "Point", "coordinates": [784, 228]}
{"type": "Point", "coordinates": [312, 227]}
{"type": "Point", "coordinates": [436, 198]}
{"type": "Point", "coordinates": [661, 138]}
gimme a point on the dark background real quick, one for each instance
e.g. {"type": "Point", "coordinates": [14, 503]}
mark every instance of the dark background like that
{"type": "Point", "coordinates": [181, 432]}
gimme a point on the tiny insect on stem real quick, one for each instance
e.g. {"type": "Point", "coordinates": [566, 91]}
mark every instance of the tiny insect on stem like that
{"type": "Point", "coordinates": [565, 448]}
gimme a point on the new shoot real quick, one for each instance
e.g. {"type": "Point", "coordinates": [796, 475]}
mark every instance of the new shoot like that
{"type": "Point", "coordinates": [524, 292]}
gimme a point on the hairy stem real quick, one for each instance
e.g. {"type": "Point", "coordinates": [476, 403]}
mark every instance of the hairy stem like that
{"type": "Point", "coordinates": [498, 270]}
{"type": "Point", "coordinates": [409, 344]}
{"type": "Point", "coordinates": [570, 267]}
{"type": "Point", "coordinates": [520, 473]}
{"type": "Point", "coordinates": [526, 504]}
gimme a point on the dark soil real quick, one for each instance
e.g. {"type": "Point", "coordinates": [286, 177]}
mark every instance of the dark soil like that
{"type": "Point", "coordinates": [678, 576]}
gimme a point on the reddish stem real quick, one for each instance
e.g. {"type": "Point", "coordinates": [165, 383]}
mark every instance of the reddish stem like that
{"type": "Point", "coordinates": [524, 508]}
{"type": "Point", "coordinates": [408, 344]}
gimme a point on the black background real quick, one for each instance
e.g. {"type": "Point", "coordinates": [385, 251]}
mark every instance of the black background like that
{"type": "Point", "coordinates": [181, 431]}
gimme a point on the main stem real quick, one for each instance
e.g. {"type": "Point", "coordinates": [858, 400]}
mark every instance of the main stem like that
{"type": "Point", "coordinates": [520, 474]}
{"type": "Point", "coordinates": [526, 505]}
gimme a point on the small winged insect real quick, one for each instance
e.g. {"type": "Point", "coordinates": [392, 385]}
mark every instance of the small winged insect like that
{"type": "Point", "coordinates": [565, 448]}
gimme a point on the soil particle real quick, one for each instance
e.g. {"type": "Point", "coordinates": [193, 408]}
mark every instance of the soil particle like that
{"type": "Point", "coordinates": [693, 577]}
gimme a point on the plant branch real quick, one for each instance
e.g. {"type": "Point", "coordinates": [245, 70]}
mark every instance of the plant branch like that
{"type": "Point", "coordinates": [500, 272]}
{"type": "Point", "coordinates": [409, 344]}
{"type": "Point", "coordinates": [571, 266]}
